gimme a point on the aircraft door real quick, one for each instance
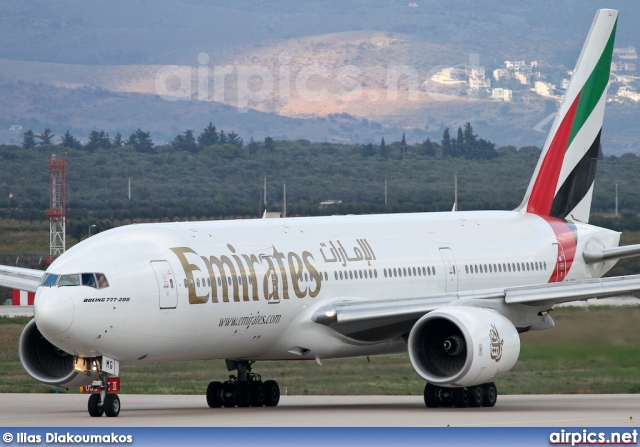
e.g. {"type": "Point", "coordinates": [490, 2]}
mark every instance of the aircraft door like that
{"type": "Point", "coordinates": [451, 269]}
{"type": "Point", "coordinates": [167, 287]}
{"type": "Point", "coordinates": [272, 281]}
{"type": "Point", "coordinates": [560, 271]}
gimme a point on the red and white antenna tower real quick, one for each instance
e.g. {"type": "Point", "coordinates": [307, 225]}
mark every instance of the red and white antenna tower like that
{"type": "Point", "coordinates": [58, 202]}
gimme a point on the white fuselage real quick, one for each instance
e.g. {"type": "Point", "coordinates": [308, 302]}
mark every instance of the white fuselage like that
{"type": "Point", "coordinates": [247, 289]}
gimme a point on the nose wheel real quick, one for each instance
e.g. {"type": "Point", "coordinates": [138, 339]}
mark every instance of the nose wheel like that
{"type": "Point", "coordinates": [246, 389]}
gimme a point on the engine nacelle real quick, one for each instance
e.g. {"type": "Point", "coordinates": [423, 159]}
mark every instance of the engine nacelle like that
{"type": "Point", "coordinates": [463, 346]}
{"type": "Point", "coordinates": [47, 363]}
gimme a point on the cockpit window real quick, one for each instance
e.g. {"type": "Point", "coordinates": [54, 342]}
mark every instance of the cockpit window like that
{"type": "Point", "coordinates": [89, 280]}
{"type": "Point", "coordinates": [49, 280]}
{"type": "Point", "coordinates": [102, 281]}
{"type": "Point", "coordinates": [95, 280]}
{"type": "Point", "coordinates": [69, 280]}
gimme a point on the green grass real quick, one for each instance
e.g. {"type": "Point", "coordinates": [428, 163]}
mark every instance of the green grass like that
{"type": "Point", "coordinates": [591, 350]}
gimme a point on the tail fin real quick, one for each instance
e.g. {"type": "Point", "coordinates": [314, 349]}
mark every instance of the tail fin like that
{"type": "Point", "coordinates": [562, 184]}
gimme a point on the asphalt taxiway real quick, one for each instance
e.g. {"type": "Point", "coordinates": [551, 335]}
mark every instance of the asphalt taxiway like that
{"type": "Point", "coordinates": [58, 410]}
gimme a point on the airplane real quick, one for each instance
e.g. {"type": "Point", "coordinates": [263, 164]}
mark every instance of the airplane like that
{"type": "Point", "coordinates": [452, 289]}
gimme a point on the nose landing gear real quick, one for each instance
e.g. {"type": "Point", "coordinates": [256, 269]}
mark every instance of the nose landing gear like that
{"type": "Point", "coordinates": [246, 389]}
{"type": "Point", "coordinates": [102, 402]}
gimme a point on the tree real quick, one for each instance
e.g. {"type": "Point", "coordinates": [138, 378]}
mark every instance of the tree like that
{"type": "Point", "coordinates": [223, 139]}
{"type": "Point", "coordinates": [234, 139]}
{"type": "Point", "coordinates": [428, 148]}
{"type": "Point", "coordinates": [98, 140]}
{"type": "Point", "coordinates": [185, 142]}
{"type": "Point", "coordinates": [268, 144]}
{"type": "Point", "coordinates": [117, 140]}
{"type": "Point", "coordinates": [252, 146]}
{"type": "Point", "coordinates": [368, 150]}
{"type": "Point", "coordinates": [70, 141]}
{"type": "Point", "coordinates": [460, 143]}
{"type": "Point", "coordinates": [208, 137]}
{"type": "Point", "coordinates": [45, 137]}
{"type": "Point", "coordinates": [383, 149]}
{"type": "Point", "coordinates": [446, 143]}
{"type": "Point", "coordinates": [141, 141]}
{"type": "Point", "coordinates": [28, 140]}
{"type": "Point", "coordinates": [470, 138]}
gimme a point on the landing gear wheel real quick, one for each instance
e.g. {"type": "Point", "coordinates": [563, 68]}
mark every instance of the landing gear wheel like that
{"type": "Point", "coordinates": [242, 394]}
{"type": "Point", "coordinates": [228, 394]}
{"type": "Point", "coordinates": [476, 396]}
{"type": "Point", "coordinates": [95, 409]}
{"type": "Point", "coordinates": [490, 394]}
{"type": "Point", "coordinates": [431, 396]}
{"type": "Point", "coordinates": [460, 397]}
{"type": "Point", "coordinates": [112, 405]}
{"type": "Point", "coordinates": [214, 395]}
{"type": "Point", "coordinates": [272, 393]}
{"type": "Point", "coordinates": [257, 394]}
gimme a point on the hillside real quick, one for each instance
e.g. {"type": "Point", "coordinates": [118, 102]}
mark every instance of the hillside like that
{"type": "Point", "coordinates": [103, 65]}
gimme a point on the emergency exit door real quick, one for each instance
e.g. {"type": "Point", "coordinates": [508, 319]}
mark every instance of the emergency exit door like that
{"type": "Point", "coordinates": [451, 269]}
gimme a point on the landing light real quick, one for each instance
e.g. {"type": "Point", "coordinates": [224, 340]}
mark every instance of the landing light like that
{"type": "Point", "coordinates": [330, 313]}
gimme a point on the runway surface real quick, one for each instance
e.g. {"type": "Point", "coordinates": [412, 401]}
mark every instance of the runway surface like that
{"type": "Point", "coordinates": [56, 410]}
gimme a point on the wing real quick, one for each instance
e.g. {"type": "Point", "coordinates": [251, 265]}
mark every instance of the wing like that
{"type": "Point", "coordinates": [20, 278]}
{"type": "Point", "coordinates": [372, 320]}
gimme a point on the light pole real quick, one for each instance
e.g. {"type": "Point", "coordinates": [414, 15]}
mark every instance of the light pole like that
{"type": "Point", "coordinates": [90, 227]}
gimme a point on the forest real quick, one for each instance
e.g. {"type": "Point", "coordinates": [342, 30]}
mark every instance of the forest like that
{"type": "Point", "coordinates": [216, 175]}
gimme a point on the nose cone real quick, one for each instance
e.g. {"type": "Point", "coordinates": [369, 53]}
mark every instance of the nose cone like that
{"type": "Point", "coordinates": [53, 311]}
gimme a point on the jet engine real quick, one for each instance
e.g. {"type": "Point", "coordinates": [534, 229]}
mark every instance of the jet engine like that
{"type": "Point", "coordinates": [463, 346]}
{"type": "Point", "coordinates": [47, 363]}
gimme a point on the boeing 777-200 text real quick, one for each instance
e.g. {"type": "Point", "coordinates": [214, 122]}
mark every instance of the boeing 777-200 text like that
{"type": "Point", "coordinates": [452, 289]}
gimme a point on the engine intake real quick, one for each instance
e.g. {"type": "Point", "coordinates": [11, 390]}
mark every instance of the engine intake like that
{"type": "Point", "coordinates": [46, 363]}
{"type": "Point", "coordinates": [463, 346]}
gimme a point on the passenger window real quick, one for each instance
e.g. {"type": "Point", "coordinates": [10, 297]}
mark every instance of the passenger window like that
{"type": "Point", "coordinates": [69, 280]}
{"type": "Point", "coordinates": [340, 275]}
{"type": "Point", "coordinates": [192, 284]}
{"type": "Point", "coordinates": [375, 273]}
{"type": "Point", "coordinates": [185, 282]}
{"type": "Point", "coordinates": [424, 271]}
{"type": "Point", "coordinates": [433, 269]}
{"type": "Point", "coordinates": [326, 277]}
{"type": "Point", "coordinates": [404, 272]}
{"type": "Point", "coordinates": [198, 282]}
{"type": "Point", "coordinates": [171, 283]}
{"type": "Point", "coordinates": [336, 275]}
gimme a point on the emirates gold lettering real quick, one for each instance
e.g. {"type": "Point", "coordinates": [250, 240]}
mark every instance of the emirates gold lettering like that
{"type": "Point", "coordinates": [238, 277]}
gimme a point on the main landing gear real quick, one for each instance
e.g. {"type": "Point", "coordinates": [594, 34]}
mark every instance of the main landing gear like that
{"type": "Point", "coordinates": [103, 403]}
{"type": "Point", "coordinates": [484, 395]}
{"type": "Point", "coordinates": [244, 390]}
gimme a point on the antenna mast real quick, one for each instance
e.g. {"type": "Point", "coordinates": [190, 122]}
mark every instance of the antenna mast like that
{"type": "Point", "coordinates": [58, 203]}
